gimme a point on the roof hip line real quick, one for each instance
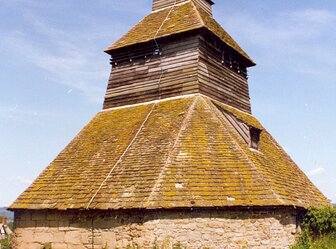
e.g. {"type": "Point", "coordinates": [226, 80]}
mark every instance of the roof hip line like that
{"type": "Point", "coordinates": [168, 159]}
{"type": "Point", "coordinates": [158, 47]}
{"type": "Point", "coordinates": [198, 14]}
{"type": "Point", "coordinates": [262, 178]}
{"type": "Point", "coordinates": [122, 155]}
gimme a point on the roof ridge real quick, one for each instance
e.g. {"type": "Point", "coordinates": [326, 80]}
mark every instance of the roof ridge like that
{"type": "Point", "coordinates": [217, 114]}
{"type": "Point", "coordinates": [168, 159]}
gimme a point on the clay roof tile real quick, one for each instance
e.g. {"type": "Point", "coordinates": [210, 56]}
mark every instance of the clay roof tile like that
{"type": "Point", "coordinates": [174, 153]}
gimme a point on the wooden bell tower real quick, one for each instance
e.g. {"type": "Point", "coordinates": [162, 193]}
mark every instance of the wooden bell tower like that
{"type": "Point", "coordinates": [178, 49]}
{"type": "Point", "coordinates": [183, 152]}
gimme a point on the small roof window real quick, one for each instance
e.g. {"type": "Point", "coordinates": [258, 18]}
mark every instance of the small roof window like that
{"type": "Point", "coordinates": [254, 138]}
{"type": "Point", "coordinates": [250, 134]}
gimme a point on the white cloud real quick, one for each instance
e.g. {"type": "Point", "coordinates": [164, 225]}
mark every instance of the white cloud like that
{"type": "Point", "coordinates": [68, 65]}
{"type": "Point", "coordinates": [315, 172]}
{"type": "Point", "coordinates": [303, 37]}
{"type": "Point", "coordinates": [313, 16]}
{"type": "Point", "coordinates": [282, 27]}
{"type": "Point", "coordinates": [69, 57]}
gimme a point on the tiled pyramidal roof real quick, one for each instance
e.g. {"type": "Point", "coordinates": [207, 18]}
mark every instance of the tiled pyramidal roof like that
{"type": "Point", "coordinates": [180, 152]}
{"type": "Point", "coordinates": [175, 153]}
{"type": "Point", "coordinates": [182, 18]}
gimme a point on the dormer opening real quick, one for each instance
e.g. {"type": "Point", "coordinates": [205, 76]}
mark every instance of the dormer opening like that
{"type": "Point", "coordinates": [250, 134]}
{"type": "Point", "coordinates": [254, 137]}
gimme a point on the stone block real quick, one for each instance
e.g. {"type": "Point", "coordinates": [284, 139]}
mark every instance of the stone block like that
{"type": "Point", "coordinates": [86, 237]}
{"type": "Point", "coordinates": [59, 237]}
{"type": "Point", "coordinates": [43, 237]}
{"type": "Point", "coordinates": [108, 239]}
{"type": "Point", "coordinates": [75, 246]}
{"type": "Point", "coordinates": [59, 245]}
{"type": "Point", "coordinates": [73, 237]}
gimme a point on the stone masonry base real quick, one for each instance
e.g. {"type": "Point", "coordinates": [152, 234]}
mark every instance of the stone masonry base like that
{"type": "Point", "coordinates": [206, 228]}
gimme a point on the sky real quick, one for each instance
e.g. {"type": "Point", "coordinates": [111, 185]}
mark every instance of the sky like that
{"type": "Point", "coordinates": [53, 76]}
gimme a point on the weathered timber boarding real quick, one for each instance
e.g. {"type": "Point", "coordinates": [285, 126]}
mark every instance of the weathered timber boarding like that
{"type": "Point", "coordinates": [219, 80]}
{"type": "Point", "coordinates": [174, 156]}
{"type": "Point", "coordinates": [140, 79]}
{"type": "Point", "coordinates": [184, 66]}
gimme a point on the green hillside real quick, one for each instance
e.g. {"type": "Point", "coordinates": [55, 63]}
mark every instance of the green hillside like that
{"type": "Point", "coordinates": [4, 212]}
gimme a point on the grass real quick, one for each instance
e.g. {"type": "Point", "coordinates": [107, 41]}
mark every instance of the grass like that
{"type": "Point", "coordinates": [323, 242]}
{"type": "Point", "coordinates": [326, 242]}
{"type": "Point", "coordinates": [6, 244]}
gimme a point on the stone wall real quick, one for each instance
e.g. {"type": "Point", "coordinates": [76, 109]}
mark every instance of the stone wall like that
{"type": "Point", "coordinates": [193, 228]}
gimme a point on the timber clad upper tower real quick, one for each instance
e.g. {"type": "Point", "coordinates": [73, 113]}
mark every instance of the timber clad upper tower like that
{"type": "Point", "coordinates": [178, 49]}
{"type": "Point", "coordinates": [175, 154]}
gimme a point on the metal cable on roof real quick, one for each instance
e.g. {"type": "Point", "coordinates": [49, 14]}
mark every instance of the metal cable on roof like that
{"type": "Point", "coordinates": [158, 47]}
{"type": "Point", "coordinates": [122, 155]}
{"type": "Point", "coordinates": [150, 112]}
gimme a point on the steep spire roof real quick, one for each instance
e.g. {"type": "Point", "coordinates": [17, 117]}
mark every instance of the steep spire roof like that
{"type": "Point", "coordinates": [206, 5]}
{"type": "Point", "coordinates": [175, 20]}
{"type": "Point", "coordinates": [175, 153]}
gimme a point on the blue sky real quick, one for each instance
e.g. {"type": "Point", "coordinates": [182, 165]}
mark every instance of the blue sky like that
{"type": "Point", "coordinates": [53, 75]}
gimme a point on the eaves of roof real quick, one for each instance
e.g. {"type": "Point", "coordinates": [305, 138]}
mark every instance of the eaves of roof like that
{"type": "Point", "coordinates": [182, 18]}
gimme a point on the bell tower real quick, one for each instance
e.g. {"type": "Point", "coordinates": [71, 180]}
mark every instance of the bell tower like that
{"type": "Point", "coordinates": [175, 148]}
{"type": "Point", "coordinates": [178, 49]}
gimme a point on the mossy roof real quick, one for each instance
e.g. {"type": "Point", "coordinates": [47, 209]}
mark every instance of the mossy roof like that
{"type": "Point", "coordinates": [176, 153]}
{"type": "Point", "coordinates": [182, 18]}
